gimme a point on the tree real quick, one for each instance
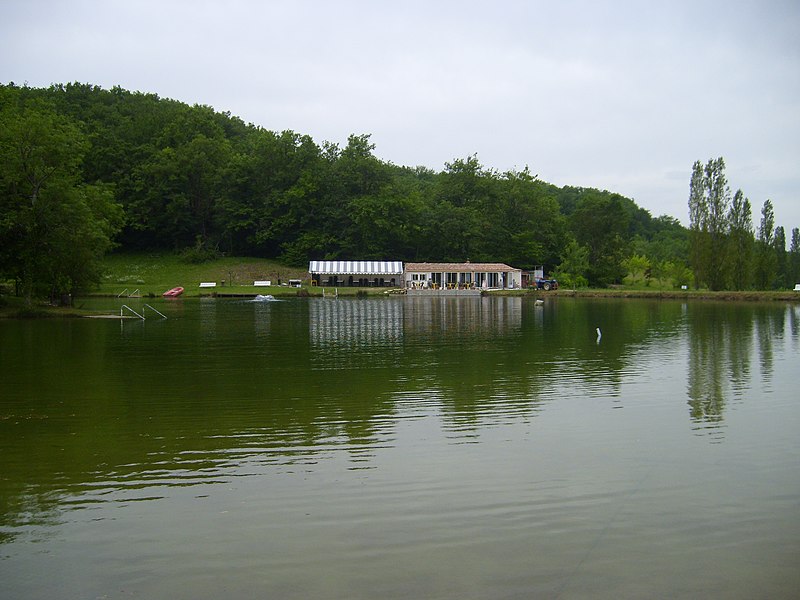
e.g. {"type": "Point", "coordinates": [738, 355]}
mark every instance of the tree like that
{"type": "Point", "coordinates": [766, 263]}
{"type": "Point", "coordinates": [718, 194]}
{"type": "Point", "coordinates": [781, 258]}
{"type": "Point", "coordinates": [678, 273]}
{"type": "Point", "coordinates": [674, 273]}
{"type": "Point", "coordinates": [189, 176]}
{"type": "Point", "coordinates": [571, 272]}
{"type": "Point", "coordinates": [709, 199]}
{"type": "Point", "coordinates": [522, 224]}
{"type": "Point", "coordinates": [665, 240]}
{"type": "Point", "coordinates": [53, 228]}
{"type": "Point", "coordinates": [181, 185]}
{"type": "Point", "coordinates": [741, 242]}
{"type": "Point", "coordinates": [794, 258]}
{"type": "Point", "coordinates": [638, 268]}
{"type": "Point", "coordinates": [698, 225]}
{"type": "Point", "coordinates": [273, 188]}
{"type": "Point", "coordinates": [600, 223]}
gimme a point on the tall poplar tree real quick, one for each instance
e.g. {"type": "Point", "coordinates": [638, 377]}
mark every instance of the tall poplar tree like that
{"type": "Point", "coordinates": [698, 222]}
{"type": "Point", "coordinates": [766, 264]}
{"type": "Point", "coordinates": [709, 199]}
{"type": "Point", "coordinates": [781, 258]}
{"type": "Point", "coordinates": [718, 194]}
{"type": "Point", "coordinates": [741, 242]}
{"type": "Point", "coordinates": [794, 258]}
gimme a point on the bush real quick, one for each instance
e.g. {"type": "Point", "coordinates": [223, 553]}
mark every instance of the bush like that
{"type": "Point", "coordinates": [199, 254]}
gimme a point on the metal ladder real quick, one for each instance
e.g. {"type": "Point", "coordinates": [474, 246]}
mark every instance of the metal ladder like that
{"type": "Point", "coordinates": [141, 316]}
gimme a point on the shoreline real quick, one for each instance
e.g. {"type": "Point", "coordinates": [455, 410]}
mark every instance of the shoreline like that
{"type": "Point", "coordinates": [12, 309]}
{"type": "Point", "coordinates": [703, 295]}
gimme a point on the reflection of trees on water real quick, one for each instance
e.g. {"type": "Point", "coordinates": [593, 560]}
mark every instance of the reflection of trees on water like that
{"type": "Point", "coordinates": [515, 357]}
{"type": "Point", "coordinates": [229, 390]}
{"type": "Point", "coordinates": [708, 372]}
{"type": "Point", "coordinates": [721, 352]}
{"type": "Point", "coordinates": [794, 325]}
{"type": "Point", "coordinates": [771, 325]}
{"type": "Point", "coordinates": [487, 360]}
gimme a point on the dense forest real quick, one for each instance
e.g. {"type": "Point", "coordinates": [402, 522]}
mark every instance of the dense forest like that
{"type": "Point", "coordinates": [84, 170]}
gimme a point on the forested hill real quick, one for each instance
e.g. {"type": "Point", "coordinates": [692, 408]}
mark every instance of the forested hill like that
{"type": "Point", "coordinates": [188, 177]}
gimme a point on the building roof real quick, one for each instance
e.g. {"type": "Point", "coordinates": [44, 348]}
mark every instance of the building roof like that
{"type": "Point", "coordinates": [355, 267]}
{"type": "Point", "coordinates": [467, 267]}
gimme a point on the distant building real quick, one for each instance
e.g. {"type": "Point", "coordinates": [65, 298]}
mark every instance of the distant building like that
{"type": "Point", "coordinates": [415, 276]}
{"type": "Point", "coordinates": [481, 276]}
{"type": "Point", "coordinates": [529, 278]}
{"type": "Point", "coordinates": [356, 273]}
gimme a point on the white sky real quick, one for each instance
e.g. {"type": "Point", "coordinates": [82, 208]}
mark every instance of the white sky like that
{"type": "Point", "coordinates": [623, 96]}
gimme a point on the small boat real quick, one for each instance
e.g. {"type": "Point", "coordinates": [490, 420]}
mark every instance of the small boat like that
{"type": "Point", "coordinates": [262, 298]}
{"type": "Point", "coordinates": [173, 293]}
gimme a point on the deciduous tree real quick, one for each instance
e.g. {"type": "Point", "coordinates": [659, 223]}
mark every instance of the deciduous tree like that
{"type": "Point", "coordinates": [574, 265]}
{"type": "Point", "coordinates": [600, 223]}
{"type": "Point", "coordinates": [53, 227]}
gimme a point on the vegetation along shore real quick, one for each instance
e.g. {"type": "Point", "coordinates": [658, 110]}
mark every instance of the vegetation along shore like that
{"type": "Point", "coordinates": [149, 275]}
{"type": "Point", "coordinates": [176, 191]}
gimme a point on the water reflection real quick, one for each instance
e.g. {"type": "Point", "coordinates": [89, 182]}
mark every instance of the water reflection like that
{"type": "Point", "coordinates": [474, 317]}
{"type": "Point", "coordinates": [724, 340]}
{"type": "Point", "coordinates": [91, 414]}
{"type": "Point", "coordinates": [355, 333]}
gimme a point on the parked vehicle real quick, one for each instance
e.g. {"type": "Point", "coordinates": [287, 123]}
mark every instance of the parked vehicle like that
{"type": "Point", "coordinates": [545, 284]}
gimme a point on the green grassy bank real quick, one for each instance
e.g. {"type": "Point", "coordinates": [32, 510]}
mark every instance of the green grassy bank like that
{"type": "Point", "coordinates": [153, 274]}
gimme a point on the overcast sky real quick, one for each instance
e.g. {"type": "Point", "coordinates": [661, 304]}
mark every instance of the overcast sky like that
{"type": "Point", "coordinates": [623, 96]}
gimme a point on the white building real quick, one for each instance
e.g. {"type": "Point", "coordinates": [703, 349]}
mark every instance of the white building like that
{"type": "Point", "coordinates": [468, 275]}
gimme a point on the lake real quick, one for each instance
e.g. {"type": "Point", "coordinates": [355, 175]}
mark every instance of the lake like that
{"type": "Point", "coordinates": [402, 448]}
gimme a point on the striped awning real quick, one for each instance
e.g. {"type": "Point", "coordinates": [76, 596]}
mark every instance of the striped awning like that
{"type": "Point", "coordinates": [355, 267]}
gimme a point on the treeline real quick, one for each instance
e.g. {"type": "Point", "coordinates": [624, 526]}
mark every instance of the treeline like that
{"type": "Point", "coordinates": [148, 173]}
{"type": "Point", "coordinates": [726, 251]}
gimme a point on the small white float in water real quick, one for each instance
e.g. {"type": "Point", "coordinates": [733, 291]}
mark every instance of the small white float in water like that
{"type": "Point", "coordinates": [599, 334]}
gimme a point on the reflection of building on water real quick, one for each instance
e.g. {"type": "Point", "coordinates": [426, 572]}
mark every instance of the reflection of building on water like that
{"type": "Point", "coordinates": [355, 324]}
{"type": "Point", "coordinates": [208, 317]}
{"type": "Point", "coordinates": [457, 316]}
{"type": "Point", "coordinates": [263, 318]}
{"type": "Point", "coordinates": [365, 333]}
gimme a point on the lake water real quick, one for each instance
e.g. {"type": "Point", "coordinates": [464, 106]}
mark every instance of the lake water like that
{"type": "Point", "coordinates": [403, 448]}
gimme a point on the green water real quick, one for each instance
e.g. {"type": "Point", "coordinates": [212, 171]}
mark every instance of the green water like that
{"type": "Point", "coordinates": [403, 448]}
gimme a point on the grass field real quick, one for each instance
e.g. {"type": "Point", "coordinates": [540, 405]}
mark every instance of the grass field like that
{"type": "Point", "coordinates": [153, 274]}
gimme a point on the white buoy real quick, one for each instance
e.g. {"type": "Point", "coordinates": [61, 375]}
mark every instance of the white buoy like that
{"type": "Point", "coordinates": [599, 334]}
